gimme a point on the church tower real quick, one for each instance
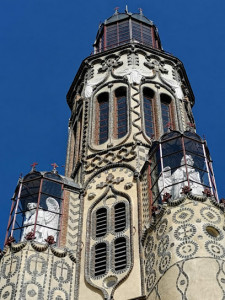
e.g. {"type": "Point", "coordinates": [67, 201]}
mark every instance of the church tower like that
{"type": "Point", "coordinates": [137, 214]}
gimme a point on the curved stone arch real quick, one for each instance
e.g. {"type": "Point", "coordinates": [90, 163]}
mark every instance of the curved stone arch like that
{"type": "Point", "coordinates": [111, 166]}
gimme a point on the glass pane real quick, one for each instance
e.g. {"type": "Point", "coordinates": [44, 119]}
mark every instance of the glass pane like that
{"type": "Point", "coordinates": [193, 146]}
{"type": "Point", "coordinates": [30, 188]}
{"type": "Point", "coordinates": [148, 117]}
{"type": "Point", "coordinates": [192, 135]}
{"type": "Point", "coordinates": [173, 160]}
{"type": "Point", "coordinates": [196, 161]}
{"type": "Point", "coordinates": [103, 117]}
{"type": "Point", "coordinates": [172, 146]}
{"type": "Point", "coordinates": [52, 188]}
{"type": "Point", "coordinates": [50, 203]}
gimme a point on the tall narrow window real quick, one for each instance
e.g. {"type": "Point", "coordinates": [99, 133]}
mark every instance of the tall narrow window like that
{"type": "Point", "coordinates": [100, 259]}
{"type": "Point", "coordinates": [103, 118]}
{"type": "Point", "coordinates": [148, 112]}
{"type": "Point", "coordinates": [101, 222]}
{"type": "Point", "coordinates": [166, 113]}
{"type": "Point", "coordinates": [120, 217]}
{"type": "Point", "coordinates": [120, 112]}
{"type": "Point", "coordinates": [120, 253]}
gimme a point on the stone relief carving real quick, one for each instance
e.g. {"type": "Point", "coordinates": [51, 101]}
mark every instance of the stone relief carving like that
{"type": "Point", "coordinates": [133, 75]}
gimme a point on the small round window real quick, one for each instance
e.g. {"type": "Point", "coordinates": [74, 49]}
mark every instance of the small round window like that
{"type": "Point", "coordinates": [212, 231]}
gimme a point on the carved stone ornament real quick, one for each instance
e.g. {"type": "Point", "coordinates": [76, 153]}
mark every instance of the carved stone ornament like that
{"type": "Point", "coordinates": [207, 192]}
{"type": "Point", "coordinates": [50, 240]}
{"type": "Point", "coordinates": [128, 185]}
{"type": "Point", "coordinates": [110, 63]}
{"type": "Point", "coordinates": [166, 197]}
{"type": "Point", "coordinates": [186, 190]}
{"type": "Point", "coordinates": [110, 179]}
{"type": "Point", "coordinates": [133, 75]}
{"type": "Point", "coordinates": [155, 64]}
{"type": "Point", "coordinates": [30, 236]}
{"type": "Point", "coordinates": [9, 241]}
{"type": "Point", "coordinates": [91, 196]}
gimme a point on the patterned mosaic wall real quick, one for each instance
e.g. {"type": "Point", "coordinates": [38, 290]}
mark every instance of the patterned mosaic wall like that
{"type": "Point", "coordinates": [30, 270]}
{"type": "Point", "coordinates": [184, 235]}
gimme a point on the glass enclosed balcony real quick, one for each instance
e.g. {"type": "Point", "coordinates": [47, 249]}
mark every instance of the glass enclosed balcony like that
{"type": "Point", "coordinates": [178, 161]}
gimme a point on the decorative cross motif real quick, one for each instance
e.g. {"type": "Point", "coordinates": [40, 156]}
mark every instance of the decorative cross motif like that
{"type": "Point", "coordinates": [61, 268]}
{"type": "Point", "coordinates": [109, 179]}
{"type": "Point", "coordinates": [37, 260]}
{"type": "Point", "coordinates": [54, 167]}
{"type": "Point", "coordinates": [33, 166]}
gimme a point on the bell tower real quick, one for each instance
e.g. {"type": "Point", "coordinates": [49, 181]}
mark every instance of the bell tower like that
{"type": "Point", "coordinates": [137, 214]}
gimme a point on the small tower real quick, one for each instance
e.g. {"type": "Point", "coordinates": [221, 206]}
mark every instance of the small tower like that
{"type": "Point", "coordinates": [136, 215]}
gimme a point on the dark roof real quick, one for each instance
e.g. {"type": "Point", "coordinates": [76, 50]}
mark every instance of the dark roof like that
{"type": "Point", "coordinates": [122, 16]}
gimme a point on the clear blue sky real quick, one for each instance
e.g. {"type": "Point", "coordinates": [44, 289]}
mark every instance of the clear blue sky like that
{"type": "Point", "coordinates": [42, 43]}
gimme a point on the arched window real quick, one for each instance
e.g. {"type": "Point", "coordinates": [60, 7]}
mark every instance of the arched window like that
{"type": "Point", "coordinates": [166, 112]}
{"type": "Point", "coordinates": [120, 217]}
{"type": "Point", "coordinates": [148, 96]}
{"type": "Point", "coordinates": [100, 259]}
{"type": "Point", "coordinates": [120, 252]}
{"type": "Point", "coordinates": [120, 120]}
{"type": "Point", "coordinates": [111, 116]}
{"type": "Point", "coordinates": [102, 118]}
{"type": "Point", "coordinates": [101, 222]}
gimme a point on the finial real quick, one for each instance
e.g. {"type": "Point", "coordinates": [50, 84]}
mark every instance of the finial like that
{"type": "Point", "coordinates": [116, 10]}
{"type": "Point", "coordinates": [126, 9]}
{"type": "Point", "coordinates": [140, 11]}
{"type": "Point", "coordinates": [54, 167]}
{"type": "Point", "coordinates": [33, 166]}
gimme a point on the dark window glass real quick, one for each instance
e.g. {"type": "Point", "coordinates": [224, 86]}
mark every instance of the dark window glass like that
{"type": "Point", "coordinates": [148, 112]}
{"type": "Point", "coordinates": [141, 33]}
{"type": "Point", "coordinates": [103, 120]}
{"type": "Point", "coordinates": [120, 254]}
{"type": "Point", "coordinates": [101, 222]}
{"type": "Point", "coordinates": [193, 146]}
{"type": "Point", "coordinates": [172, 146]}
{"type": "Point", "coordinates": [121, 112]}
{"type": "Point", "coordinates": [100, 259]}
{"type": "Point", "coordinates": [120, 217]}
{"type": "Point", "coordinates": [165, 107]}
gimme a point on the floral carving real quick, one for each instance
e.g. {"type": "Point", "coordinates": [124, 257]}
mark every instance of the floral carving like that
{"type": "Point", "coordinates": [186, 189]}
{"type": "Point", "coordinates": [50, 240]}
{"type": "Point", "coordinates": [30, 236]}
{"type": "Point", "coordinates": [110, 63]}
